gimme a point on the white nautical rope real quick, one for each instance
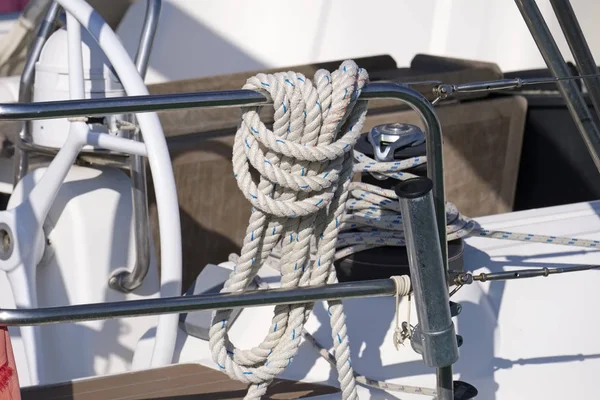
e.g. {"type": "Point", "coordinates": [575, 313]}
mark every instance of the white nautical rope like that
{"type": "Point", "coordinates": [528, 237]}
{"type": "Point", "coordinates": [305, 166]}
{"type": "Point", "coordinates": [402, 284]}
{"type": "Point", "coordinates": [373, 218]}
{"type": "Point", "coordinates": [403, 289]}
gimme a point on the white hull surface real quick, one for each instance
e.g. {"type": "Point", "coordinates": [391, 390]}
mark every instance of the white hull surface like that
{"type": "Point", "coordinates": [531, 338]}
{"type": "Point", "coordinates": [523, 339]}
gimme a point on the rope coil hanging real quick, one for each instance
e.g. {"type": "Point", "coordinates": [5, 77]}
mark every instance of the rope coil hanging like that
{"type": "Point", "coordinates": [305, 165]}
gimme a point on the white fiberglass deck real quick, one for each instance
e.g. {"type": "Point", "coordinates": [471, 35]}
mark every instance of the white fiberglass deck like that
{"type": "Point", "coordinates": [523, 339]}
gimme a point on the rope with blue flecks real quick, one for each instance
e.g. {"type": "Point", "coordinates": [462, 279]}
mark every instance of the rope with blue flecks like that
{"type": "Point", "coordinates": [402, 290]}
{"type": "Point", "coordinates": [372, 218]}
{"type": "Point", "coordinates": [305, 167]}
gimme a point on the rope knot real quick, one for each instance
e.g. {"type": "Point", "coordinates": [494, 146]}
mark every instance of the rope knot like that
{"type": "Point", "coordinates": [313, 125]}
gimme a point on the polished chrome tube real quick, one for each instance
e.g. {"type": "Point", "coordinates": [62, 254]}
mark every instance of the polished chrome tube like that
{"type": "Point", "coordinates": [135, 308]}
{"type": "Point", "coordinates": [237, 98]}
{"type": "Point", "coordinates": [579, 47]}
{"type": "Point", "coordinates": [434, 337]}
{"type": "Point", "coordinates": [142, 56]}
{"type": "Point", "coordinates": [25, 87]}
{"type": "Point", "coordinates": [557, 65]}
{"type": "Point", "coordinates": [126, 281]}
{"type": "Point", "coordinates": [437, 341]}
{"type": "Point", "coordinates": [444, 383]}
{"type": "Point", "coordinates": [129, 104]}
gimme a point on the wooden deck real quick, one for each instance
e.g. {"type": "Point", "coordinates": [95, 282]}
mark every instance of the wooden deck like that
{"type": "Point", "coordinates": [177, 382]}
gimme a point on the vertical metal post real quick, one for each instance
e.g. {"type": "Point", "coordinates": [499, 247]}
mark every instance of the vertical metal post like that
{"type": "Point", "coordinates": [25, 87]}
{"type": "Point", "coordinates": [557, 65]}
{"type": "Point", "coordinates": [126, 281]}
{"type": "Point", "coordinates": [434, 337]}
{"type": "Point", "coordinates": [579, 47]}
{"type": "Point", "coordinates": [444, 383]}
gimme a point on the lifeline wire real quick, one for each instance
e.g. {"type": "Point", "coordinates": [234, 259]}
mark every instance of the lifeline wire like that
{"type": "Point", "coordinates": [305, 166]}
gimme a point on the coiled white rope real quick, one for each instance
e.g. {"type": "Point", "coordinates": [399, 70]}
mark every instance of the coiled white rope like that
{"type": "Point", "coordinates": [403, 288]}
{"type": "Point", "coordinates": [372, 218]}
{"type": "Point", "coordinates": [305, 166]}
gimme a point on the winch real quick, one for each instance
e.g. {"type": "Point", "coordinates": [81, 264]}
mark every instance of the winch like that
{"type": "Point", "coordinates": [388, 143]}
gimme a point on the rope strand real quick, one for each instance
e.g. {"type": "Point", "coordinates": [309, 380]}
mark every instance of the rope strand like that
{"type": "Point", "coordinates": [372, 218]}
{"type": "Point", "coordinates": [305, 166]}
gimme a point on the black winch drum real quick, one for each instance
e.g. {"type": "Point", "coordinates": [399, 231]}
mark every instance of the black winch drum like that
{"type": "Point", "coordinates": [383, 262]}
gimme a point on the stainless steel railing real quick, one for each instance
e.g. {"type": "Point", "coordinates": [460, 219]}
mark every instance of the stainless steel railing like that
{"type": "Point", "coordinates": [234, 98]}
{"type": "Point", "coordinates": [126, 281]}
{"type": "Point", "coordinates": [257, 298]}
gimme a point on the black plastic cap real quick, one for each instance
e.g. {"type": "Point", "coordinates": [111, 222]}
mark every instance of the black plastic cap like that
{"type": "Point", "coordinates": [464, 391]}
{"type": "Point", "coordinates": [414, 188]}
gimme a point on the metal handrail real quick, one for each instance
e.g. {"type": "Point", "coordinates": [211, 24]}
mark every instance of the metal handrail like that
{"type": "Point", "coordinates": [26, 84]}
{"type": "Point", "coordinates": [126, 281]}
{"type": "Point", "coordinates": [237, 98]}
{"type": "Point", "coordinates": [234, 98]}
{"type": "Point", "coordinates": [136, 308]}
{"type": "Point", "coordinates": [142, 56]}
{"type": "Point", "coordinates": [128, 104]}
